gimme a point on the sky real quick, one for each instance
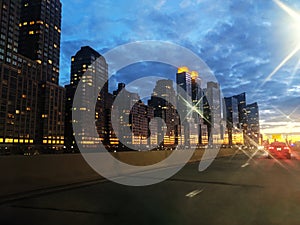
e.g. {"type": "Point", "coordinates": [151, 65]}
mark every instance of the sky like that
{"type": "Point", "coordinates": [251, 46]}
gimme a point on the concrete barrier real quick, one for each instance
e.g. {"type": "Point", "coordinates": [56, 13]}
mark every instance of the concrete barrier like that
{"type": "Point", "coordinates": [21, 174]}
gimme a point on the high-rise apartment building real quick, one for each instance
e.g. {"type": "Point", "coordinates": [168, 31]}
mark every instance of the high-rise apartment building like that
{"type": "Point", "coordinates": [31, 113]}
{"type": "Point", "coordinates": [163, 102]}
{"type": "Point", "coordinates": [88, 66]}
{"type": "Point", "coordinates": [40, 31]}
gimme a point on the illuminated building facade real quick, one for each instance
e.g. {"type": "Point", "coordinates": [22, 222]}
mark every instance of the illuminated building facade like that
{"type": "Point", "coordinates": [131, 121]}
{"type": "Point", "coordinates": [87, 65]}
{"type": "Point", "coordinates": [242, 121]}
{"type": "Point", "coordinates": [24, 92]}
{"type": "Point", "coordinates": [253, 128]}
{"type": "Point", "coordinates": [197, 98]}
{"type": "Point", "coordinates": [40, 31]}
{"type": "Point", "coordinates": [184, 82]}
{"type": "Point", "coordinates": [234, 133]}
{"type": "Point", "coordinates": [241, 98]}
{"type": "Point", "coordinates": [213, 113]}
{"type": "Point", "coordinates": [168, 128]}
{"type": "Point", "coordinates": [139, 119]}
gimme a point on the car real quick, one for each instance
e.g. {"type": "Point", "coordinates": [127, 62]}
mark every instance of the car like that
{"type": "Point", "coordinates": [279, 150]}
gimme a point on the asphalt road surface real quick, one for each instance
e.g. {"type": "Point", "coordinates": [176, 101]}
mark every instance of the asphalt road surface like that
{"type": "Point", "coordinates": [231, 191]}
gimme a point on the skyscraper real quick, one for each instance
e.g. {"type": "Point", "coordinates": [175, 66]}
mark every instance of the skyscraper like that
{"type": "Point", "coordinates": [87, 65]}
{"type": "Point", "coordinates": [213, 115]}
{"type": "Point", "coordinates": [241, 98]}
{"type": "Point", "coordinates": [31, 108]}
{"type": "Point", "coordinates": [40, 31]}
{"type": "Point", "coordinates": [130, 118]}
{"type": "Point", "coordinates": [162, 101]}
{"type": "Point", "coordinates": [197, 99]}
{"type": "Point", "coordinates": [253, 128]}
{"type": "Point", "coordinates": [184, 91]}
{"type": "Point", "coordinates": [235, 135]}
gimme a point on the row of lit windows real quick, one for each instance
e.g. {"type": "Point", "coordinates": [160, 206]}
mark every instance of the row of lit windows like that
{"type": "Point", "coordinates": [11, 140]}
{"type": "Point", "coordinates": [53, 142]}
{"type": "Point", "coordinates": [53, 137]}
{"type": "Point", "coordinates": [39, 22]}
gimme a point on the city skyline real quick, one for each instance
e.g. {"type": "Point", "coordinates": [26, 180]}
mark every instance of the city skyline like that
{"type": "Point", "coordinates": [240, 49]}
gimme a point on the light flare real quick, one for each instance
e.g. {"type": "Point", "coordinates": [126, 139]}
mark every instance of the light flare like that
{"type": "Point", "coordinates": [296, 16]}
{"type": "Point", "coordinates": [288, 10]}
{"type": "Point", "coordinates": [284, 61]}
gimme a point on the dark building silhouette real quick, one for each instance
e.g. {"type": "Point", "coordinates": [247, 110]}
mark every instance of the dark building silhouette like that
{"type": "Point", "coordinates": [197, 98]}
{"type": "Point", "coordinates": [131, 120]}
{"type": "Point", "coordinates": [253, 128]}
{"type": "Point", "coordinates": [212, 113]}
{"type": "Point", "coordinates": [232, 121]}
{"type": "Point", "coordinates": [40, 31]}
{"type": "Point", "coordinates": [242, 120]}
{"type": "Point", "coordinates": [184, 81]}
{"type": "Point", "coordinates": [87, 65]}
{"type": "Point", "coordinates": [241, 98]}
{"type": "Point", "coordinates": [162, 101]}
{"type": "Point", "coordinates": [31, 108]}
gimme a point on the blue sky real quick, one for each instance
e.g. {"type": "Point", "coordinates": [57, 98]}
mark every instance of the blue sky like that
{"type": "Point", "coordinates": [242, 41]}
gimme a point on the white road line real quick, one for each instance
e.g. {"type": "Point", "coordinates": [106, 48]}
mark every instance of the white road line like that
{"type": "Point", "coordinates": [246, 164]}
{"type": "Point", "coordinates": [194, 193]}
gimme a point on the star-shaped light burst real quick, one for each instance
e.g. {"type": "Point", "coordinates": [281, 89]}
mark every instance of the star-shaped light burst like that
{"type": "Point", "coordinates": [296, 16]}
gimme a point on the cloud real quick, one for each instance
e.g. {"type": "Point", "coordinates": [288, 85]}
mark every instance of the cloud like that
{"type": "Point", "coordinates": [242, 41]}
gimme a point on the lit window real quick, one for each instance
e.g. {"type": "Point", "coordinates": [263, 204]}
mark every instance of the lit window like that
{"type": "Point", "coordinates": [17, 111]}
{"type": "Point", "coordinates": [25, 23]}
{"type": "Point", "coordinates": [31, 32]}
{"type": "Point", "coordinates": [49, 61]}
{"type": "Point", "coordinates": [31, 23]}
{"type": "Point", "coordinates": [26, 4]}
{"type": "Point", "coordinates": [72, 59]}
{"type": "Point", "coordinates": [9, 140]}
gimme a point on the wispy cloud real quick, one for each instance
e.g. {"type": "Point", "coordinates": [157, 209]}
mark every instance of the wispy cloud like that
{"type": "Point", "coordinates": [242, 41]}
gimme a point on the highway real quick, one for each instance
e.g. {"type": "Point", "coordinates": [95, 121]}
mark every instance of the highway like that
{"type": "Point", "coordinates": [231, 191]}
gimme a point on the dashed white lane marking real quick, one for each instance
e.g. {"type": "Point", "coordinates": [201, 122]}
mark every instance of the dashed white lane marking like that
{"type": "Point", "coordinates": [246, 164]}
{"type": "Point", "coordinates": [194, 193]}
